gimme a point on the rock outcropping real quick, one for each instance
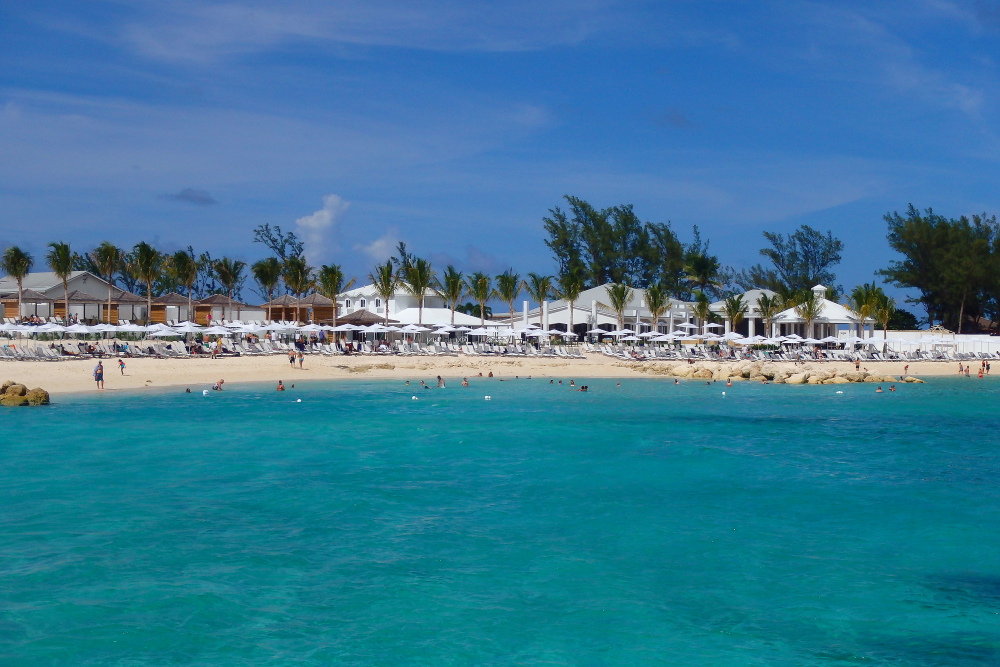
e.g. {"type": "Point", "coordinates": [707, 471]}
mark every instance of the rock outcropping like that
{"type": "Point", "coordinates": [760, 371]}
{"type": "Point", "coordinates": [15, 394]}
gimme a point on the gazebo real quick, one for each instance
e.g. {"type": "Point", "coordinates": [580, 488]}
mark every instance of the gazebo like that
{"type": "Point", "coordinates": [29, 297]}
{"type": "Point", "coordinates": [829, 318]}
{"type": "Point", "coordinates": [363, 318]}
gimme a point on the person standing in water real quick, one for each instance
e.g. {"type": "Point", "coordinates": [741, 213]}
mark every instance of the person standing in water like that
{"type": "Point", "coordinates": [440, 382]}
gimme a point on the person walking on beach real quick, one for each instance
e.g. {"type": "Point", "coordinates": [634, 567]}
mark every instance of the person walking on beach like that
{"type": "Point", "coordinates": [291, 358]}
{"type": "Point", "coordinates": [121, 366]}
{"type": "Point", "coordinates": [301, 359]}
{"type": "Point", "coordinates": [99, 374]}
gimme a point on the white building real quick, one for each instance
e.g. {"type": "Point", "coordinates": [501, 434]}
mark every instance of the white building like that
{"type": "Point", "coordinates": [589, 313]}
{"type": "Point", "coordinates": [753, 319]}
{"type": "Point", "coordinates": [831, 316]}
{"type": "Point", "coordinates": [404, 307]}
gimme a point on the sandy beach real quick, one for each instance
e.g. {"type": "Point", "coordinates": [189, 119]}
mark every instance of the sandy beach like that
{"type": "Point", "coordinates": [75, 376]}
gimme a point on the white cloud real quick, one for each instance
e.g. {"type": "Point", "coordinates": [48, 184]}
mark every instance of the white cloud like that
{"type": "Point", "coordinates": [381, 248]}
{"type": "Point", "coordinates": [315, 229]}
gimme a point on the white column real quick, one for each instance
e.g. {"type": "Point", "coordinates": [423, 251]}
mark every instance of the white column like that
{"type": "Point", "coordinates": [729, 323]}
{"type": "Point", "coordinates": [524, 314]}
{"type": "Point", "coordinates": [545, 315]}
{"type": "Point", "coordinates": [593, 314]}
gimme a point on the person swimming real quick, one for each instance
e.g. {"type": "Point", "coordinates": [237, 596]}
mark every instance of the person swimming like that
{"type": "Point", "coordinates": [281, 386]}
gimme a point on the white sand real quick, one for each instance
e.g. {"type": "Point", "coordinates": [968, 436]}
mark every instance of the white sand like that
{"type": "Point", "coordinates": [76, 375]}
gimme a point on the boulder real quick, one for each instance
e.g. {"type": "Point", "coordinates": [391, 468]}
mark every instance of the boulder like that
{"type": "Point", "coordinates": [797, 378]}
{"type": "Point", "coordinates": [873, 378]}
{"type": "Point", "coordinates": [702, 374]}
{"type": "Point", "coordinates": [910, 378]}
{"type": "Point", "coordinates": [13, 400]}
{"type": "Point", "coordinates": [37, 396]}
{"type": "Point", "coordinates": [5, 385]}
{"type": "Point", "coordinates": [853, 376]}
{"type": "Point", "coordinates": [837, 379]}
{"type": "Point", "coordinates": [16, 390]}
{"type": "Point", "coordinates": [815, 378]}
{"type": "Point", "coordinates": [757, 378]}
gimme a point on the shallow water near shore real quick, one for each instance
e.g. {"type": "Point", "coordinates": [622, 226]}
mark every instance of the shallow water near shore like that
{"type": "Point", "coordinates": [648, 524]}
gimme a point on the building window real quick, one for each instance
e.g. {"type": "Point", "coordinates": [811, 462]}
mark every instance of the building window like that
{"type": "Point", "coordinates": [378, 303]}
{"type": "Point", "coordinates": [347, 303]}
{"type": "Point", "coordinates": [361, 303]}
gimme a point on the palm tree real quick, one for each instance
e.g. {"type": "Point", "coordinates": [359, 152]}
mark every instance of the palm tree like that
{"type": "Point", "coordinates": [330, 282]}
{"type": "Point", "coordinates": [385, 280]}
{"type": "Point", "coordinates": [229, 272]}
{"type": "Point", "coordinates": [658, 302]}
{"type": "Point", "coordinates": [863, 301]}
{"type": "Point", "coordinates": [107, 258]}
{"type": "Point", "coordinates": [885, 307]}
{"type": "Point", "coordinates": [702, 308]}
{"type": "Point", "coordinates": [418, 277]}
{"type": "Point", "coordinates": [769, 307]}
{"type": "Point", "coordinates": [147, 262]}
{"type": "Point", "coordinates": [702, 271]}
{"type": "Point", "coordinates": [480, 287]}
{"type": "Point", "coordinates": [809, 308]}
{"type": "Point", "coordinates": [185, 271]}
{"type": "Point", "coordinates": [267, 273]}
{"type": "Point", "coordinates": [735, 308]}
{"type": "Point", "coordinates": [508, 287]}
{"type": "Point", "coordinates": [539, 288]}
{"type": "Point", "coordinates": [619, 296]}
{"type": "Point", "coordinates": [60, 260]}
{"type": "Point", "coordinates": [299, 278]}
{"type": "Point", "coordinates": [570, 287]}
{"type": "Point", "coordinates": [451, 288]}
{"type": "Point", "coordinates": [17, 264]}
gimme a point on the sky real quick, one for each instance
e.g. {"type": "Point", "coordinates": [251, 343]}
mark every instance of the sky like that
{"type": "Point", "coordinates": [456, 125]}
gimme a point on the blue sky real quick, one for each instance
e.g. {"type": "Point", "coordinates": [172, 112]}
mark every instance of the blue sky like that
{"type": "Point", "coordinates": [456, 125]}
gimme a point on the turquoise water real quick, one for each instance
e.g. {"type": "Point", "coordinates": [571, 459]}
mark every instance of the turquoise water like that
{"type": "Point", "coordinates": [650, 524]}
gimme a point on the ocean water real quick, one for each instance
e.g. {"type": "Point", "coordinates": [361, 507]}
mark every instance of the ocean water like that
{"type": "Point", "coordinates": [648, 524]}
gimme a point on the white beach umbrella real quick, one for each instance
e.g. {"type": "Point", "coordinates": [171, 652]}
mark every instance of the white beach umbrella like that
{"type": "Point", "coordinates": [131, 328]}
{"type": "Point", "coordinates": [687, 325]}
{"type": "Point", "coordinates": [597, 332]}
{"type": "Point", "coordinates": [463, 329]}
{"type": "Point", "coordinates": [713, 325]}
{"type": "Point", "coordinates": [343, 327]}
{"type": "Point", "coordinates": [51, 327]}
{"type": "Point", "coordinates": [413, 328]}
{"type": "Point", "coordinates": [163, 333]}
{"type": "Point", "coordinates": [187, 328]}
{"type": "Point", "coordinates": [479, 331]}
{"type": "Point", "coordinates": [78, 328]}
{"type": "Point", "coordinates": [311, 328]}
{"type": "Point", "coordinates": [621, 332]}
{"type": "Point", "coordinates": [216, 331]}
{"type": "Point", "coordinates": [649, 334]}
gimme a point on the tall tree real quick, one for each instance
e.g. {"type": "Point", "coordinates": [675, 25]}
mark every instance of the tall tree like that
{"type": "Point", "coordinates": [480, 287]}
{"type": "Point", "coordinates": [330, 281]}
{"type": "Point", "coordinates": [508, 288]}
{"type": "Point", "coordinates": [619, 297]}
{"type": "Point", "coordinates": [60, 260]}
{"type": "Point", "coordinates": [539, 288]}
{"type": "Point", "coordinates": [385, 279]}
{"type": "Point", "coordinates": [418, 277]}
{"type": "Point", "coordinates": [229, 272]}
{"type": "Point", "coordinates": [284, 246]}
{"type": "Point", "coordinates": [106, 259]}
{"type": "Point", "coordinates": [702, 308]}
{"type": "Point", "coordinates": [299, 279]}
{"type": "Point", "coordinates": [951, 262]}
{"type": "Point", "coordinates": [184, 269]}
{"type": "Point", "coordinates": [17, 263]}
{"type": "Point", "coordinates": [451, 288]}
{"type": "Point", "coordinates": [147, 265]}
{"type": "Point", "coordinates": [267, 273]}
{"type": "Point", "coordinates": [799, 261]}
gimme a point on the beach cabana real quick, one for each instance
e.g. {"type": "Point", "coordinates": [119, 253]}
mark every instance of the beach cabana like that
{"type": "Point", "coordinates": [170, 307]}
{"type": "Point", "coordinates": [217, 307]}
{"type": "Point", "coordinates": [281, 308]}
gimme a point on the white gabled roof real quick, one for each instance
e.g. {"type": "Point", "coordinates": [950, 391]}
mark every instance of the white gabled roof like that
{"type": "Point", "coordinates": [831, 312]}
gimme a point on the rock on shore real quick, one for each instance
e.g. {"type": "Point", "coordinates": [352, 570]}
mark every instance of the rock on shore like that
{"type": "Point", "coordinates": [759, 371]}
{"type": "Point", "coordinates": [15, 394]}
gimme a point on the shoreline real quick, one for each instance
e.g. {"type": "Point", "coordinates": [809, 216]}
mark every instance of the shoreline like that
{"type": "Point", "coordinates": [75, 376]}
